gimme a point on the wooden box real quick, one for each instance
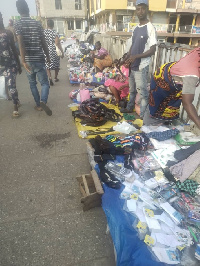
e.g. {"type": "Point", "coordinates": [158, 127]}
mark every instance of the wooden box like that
{"type": "Point", "coordinates": [91, 189]}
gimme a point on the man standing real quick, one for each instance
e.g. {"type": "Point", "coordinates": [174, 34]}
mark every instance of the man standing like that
{"type": "Point", "coordinates": [143, 47]}
{"type": "Point", "coordinates": [32, 43]}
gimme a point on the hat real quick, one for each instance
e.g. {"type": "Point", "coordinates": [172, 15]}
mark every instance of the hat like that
{"type": "Point", "coordinates": [139, 2]}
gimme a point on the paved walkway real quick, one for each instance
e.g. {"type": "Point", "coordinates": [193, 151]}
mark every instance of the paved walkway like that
{"type": "Point", "coordinates": [41, 217]}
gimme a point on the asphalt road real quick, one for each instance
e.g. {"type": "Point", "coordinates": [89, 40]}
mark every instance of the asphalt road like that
{"type": "Point", "coordinates": [41, 217]}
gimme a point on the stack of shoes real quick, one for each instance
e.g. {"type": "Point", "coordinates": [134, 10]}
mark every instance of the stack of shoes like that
{"type": "Point", "coordinates": [109, 179]}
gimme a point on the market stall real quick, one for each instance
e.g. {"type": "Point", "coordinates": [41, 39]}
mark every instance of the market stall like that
{"type": "Point", "coordinates": [151, 182]}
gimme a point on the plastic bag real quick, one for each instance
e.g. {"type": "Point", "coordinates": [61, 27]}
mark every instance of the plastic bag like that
{"type": "Point", "coordinates": [3, 93]}
{"type": "Point", "coordinates": [124, 127]}
{"type": "Point", "coordinates": [84, 94]}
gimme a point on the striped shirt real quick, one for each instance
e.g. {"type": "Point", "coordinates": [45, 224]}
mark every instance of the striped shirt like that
{"type": "Point", "coordinates": [32, 31]}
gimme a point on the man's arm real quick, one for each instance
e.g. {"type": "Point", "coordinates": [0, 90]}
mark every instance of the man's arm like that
{"type": "Point", "coordinates": [148, 53]}
{"type": "Point", "coordinates": [187, 101]}
{"type": "Point", "coordinates": [45, 48]}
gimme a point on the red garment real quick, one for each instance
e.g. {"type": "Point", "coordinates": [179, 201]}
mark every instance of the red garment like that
{"type": "Point", "coordinates": [189, 65]}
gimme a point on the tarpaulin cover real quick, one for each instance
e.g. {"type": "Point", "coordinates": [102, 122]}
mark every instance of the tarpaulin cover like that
{"type": "Point", "coordinates": [130, 250]}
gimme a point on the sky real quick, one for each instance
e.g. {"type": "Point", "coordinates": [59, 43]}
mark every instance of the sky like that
{"type": "Point", "coordinates": [8, 9]}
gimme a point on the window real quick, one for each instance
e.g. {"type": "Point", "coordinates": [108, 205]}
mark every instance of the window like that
{"type": "Point", "coordinates": [78, 24]}
{"type": "Point", "coordinates": [70, 24]}
{"type": "Point", "coordinates": [98, 4]}
{"type": "Point", "coordinates": [58, 4]}
{"type": "Point", "coordinates": [78, 5]}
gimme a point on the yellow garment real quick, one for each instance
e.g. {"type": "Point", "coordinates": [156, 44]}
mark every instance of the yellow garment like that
{"type": "Point", "coordinates": [102, 63]}
{"type": "Point", "coordinates": [196, 175]}
{"type": "Point", "coordinates": [107, 125]}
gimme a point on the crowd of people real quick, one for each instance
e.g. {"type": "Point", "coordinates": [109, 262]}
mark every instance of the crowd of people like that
{"type": "Point", "coordinates": [37, 49]}
{"type": "Point", "coordinates": [172, 84]}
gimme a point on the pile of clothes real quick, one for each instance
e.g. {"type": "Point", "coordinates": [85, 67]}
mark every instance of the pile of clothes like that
{"type": "Point", "coordinates": [160, 184]}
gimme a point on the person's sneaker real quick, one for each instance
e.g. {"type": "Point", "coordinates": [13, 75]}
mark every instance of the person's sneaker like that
{"type": "Point", "coordinates": [38, 108]}
{"type": "Point", "coordinates": [46, 108]}
{"type": "Point", "coordinates": [125, 110]}
{"type": "Point", "coordinates": [51, 82]}
{"type": "Point", "coordinates": [120, 172]}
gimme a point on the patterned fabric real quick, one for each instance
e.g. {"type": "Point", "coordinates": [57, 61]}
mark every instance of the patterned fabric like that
{"type": "Point", "coordinates": [165, 95]}
{"type": "Point", "coordinates": [8, 67]}
{"type": "Point", "coordinates": [50, 36]}
{"type": "Point", "coordinates": [189, 186]}
{"type": "Point", "coordinates": [32, 33]}
{"type": "Point", "coordinates": [7, 58]}
{"type": "Point", "coordinates": [161, 136]}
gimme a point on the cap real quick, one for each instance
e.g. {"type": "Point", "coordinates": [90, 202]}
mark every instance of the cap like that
{"type": "Point", "coordinates": [139, 2]}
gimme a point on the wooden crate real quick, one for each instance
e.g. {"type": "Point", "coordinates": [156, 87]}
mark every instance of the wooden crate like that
{"type": "Point", "coordinates": [91, 189]}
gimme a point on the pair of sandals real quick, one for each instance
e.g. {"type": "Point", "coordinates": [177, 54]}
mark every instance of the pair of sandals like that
{"type": "Point", "coordinates": [16, 113]}
{"type": "Point", "coordinates": [51, 82]}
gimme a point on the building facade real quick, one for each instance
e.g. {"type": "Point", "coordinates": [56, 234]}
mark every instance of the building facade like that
{"type": "Point", "coordinates": [174, 20]}
{"type": "Point", "coordinates": [68, 15]}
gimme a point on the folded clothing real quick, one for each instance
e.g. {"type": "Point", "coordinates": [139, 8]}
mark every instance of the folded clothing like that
{"type": "Point", "coordinates": [185, 168]}
{"type": "Point", "coordinates": [161, 136]}
{"type": "Point", "coordinates": [189, 186]}
{"type": "Point", "coordinates": [183, 154]}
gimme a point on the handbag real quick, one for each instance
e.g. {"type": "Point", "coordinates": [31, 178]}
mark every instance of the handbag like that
{"type": "Point", "coordinates": [3, 93]}
{"type": "Point", "coordinates": [58, 51]}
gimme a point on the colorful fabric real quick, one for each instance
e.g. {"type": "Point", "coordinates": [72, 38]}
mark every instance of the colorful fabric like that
{"type": "Point", "coordinates": [165, 95]}
{"type": "Point", "coordinates": [117, 84]}
{"type": "Point", "coordinates": [138, 141]}
{"type": "Point", "coordinates": [189, 186]}
{"type": "Point", "coordinates": [161, 136]}
{"type": "Point", "coordinates": [189, 65]}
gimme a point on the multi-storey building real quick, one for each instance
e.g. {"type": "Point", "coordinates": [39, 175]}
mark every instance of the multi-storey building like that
{"type": "Point", "coordinates": [175, 20]}
{"type": "Point", "coordinates": [68, 15]}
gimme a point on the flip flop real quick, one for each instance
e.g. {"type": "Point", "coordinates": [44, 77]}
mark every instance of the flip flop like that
{"type": "Point", "coordinates": [15, 113]}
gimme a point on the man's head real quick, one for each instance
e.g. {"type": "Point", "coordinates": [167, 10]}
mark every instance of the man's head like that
{"type": "Point", "coordinates": [142, 7]}
{"type": "Point", "coordinates": [22, 8]}
{"type": "Point", "coordinates": [10, 22]}
{"type": "Point", "coordinates": [50, 23]}
{"type": "Point", "coordinates": [98, 45]}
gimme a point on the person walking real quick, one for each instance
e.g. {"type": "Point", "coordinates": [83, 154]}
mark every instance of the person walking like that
{"type": "Point", "coordinates": [52, 40]}
{"type": "Point", "coordinates": [9, 64]}
{"type": "Point", "coordinates": [32, 43]}
{"type": "Point", "coordinates": [11, 28]}
{"type": "Point", "coordinates": [143, 46]}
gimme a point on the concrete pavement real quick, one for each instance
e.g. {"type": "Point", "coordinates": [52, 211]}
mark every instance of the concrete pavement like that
{"type": "Point", "coordinates": [41, 217]}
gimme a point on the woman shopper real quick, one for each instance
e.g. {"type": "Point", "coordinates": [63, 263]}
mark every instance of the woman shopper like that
{"type": "Point", "coordinates": [101, 58]}
{"type": "Point", "coordinates": [9, 63]}
{"type": "Point", "coordinates": [52, 40]}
